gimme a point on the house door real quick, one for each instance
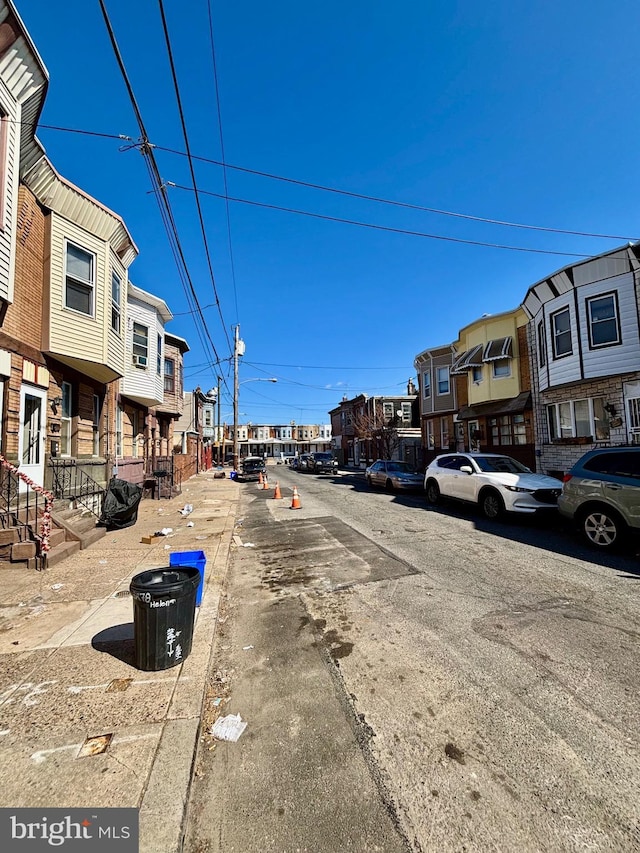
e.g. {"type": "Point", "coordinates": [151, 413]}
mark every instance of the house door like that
{"type": "Point", "coordinates": [632, 405]}
{"type": "Point", "coordinates": [474, 432]}
{"type": "Point", "coordinates": [32, 430]}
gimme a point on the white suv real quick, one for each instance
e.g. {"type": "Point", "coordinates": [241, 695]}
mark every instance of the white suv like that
{"type": "Point", "coordinates": [496, 483]}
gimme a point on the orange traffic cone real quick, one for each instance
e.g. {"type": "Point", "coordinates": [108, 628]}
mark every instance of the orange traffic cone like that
{"type": "Point", "coordinates": [277, 495]}
{"type": "Point", "coordinates": [295, 503]}
{"type": "Point", "coordinates": [260, 480]}
{"type": "Point", "coordinates": [266, 482]}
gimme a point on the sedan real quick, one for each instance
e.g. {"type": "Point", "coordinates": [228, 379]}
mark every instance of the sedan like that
{"type": "Point", "coordinates": [392, 475]}
{"type": "Point", "coordinates": [496, 483]}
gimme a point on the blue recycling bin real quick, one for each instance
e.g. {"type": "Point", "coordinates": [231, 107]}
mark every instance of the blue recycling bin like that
{"type": "Point", "coordinates": [195, 559]}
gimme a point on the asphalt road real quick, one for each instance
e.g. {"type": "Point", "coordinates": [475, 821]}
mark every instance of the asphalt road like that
{"type": "Point", "coordinates": [419, 679]}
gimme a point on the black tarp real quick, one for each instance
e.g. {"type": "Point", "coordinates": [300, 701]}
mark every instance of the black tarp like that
{"type": "Point", "coordinates": [120, 505]}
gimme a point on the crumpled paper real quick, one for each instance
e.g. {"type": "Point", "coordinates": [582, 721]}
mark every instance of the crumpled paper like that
{"type": "Point", "coordinates": [228, 728]}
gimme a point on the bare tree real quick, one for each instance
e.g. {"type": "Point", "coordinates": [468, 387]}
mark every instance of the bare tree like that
{"type": "Point", "coordinates": [380, 433]}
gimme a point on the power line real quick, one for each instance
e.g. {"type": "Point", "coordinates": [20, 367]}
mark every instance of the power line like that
{"type": "Point", "coordinates": [159, 189]}
{"type": "Point", "coordinates": [185, 136]}
{"type": "Point", "coordinates": [388, 228]}
{"type": "Point", "coordinates": [224, 170]}
{"type": "Point", "coordinates": [350, 193]}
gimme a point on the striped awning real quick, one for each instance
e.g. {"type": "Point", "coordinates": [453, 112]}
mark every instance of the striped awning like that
{"type": "Point", "coordinates": [497, 349]}
{"type": "Point", "coordinates": [471, 358]}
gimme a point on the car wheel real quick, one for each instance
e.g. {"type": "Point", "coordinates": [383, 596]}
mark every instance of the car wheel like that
{"type": "Point", "coordinates": [369, 483]}
{"type": "Point", "coordinates": [492, 505]}
{"type": "Point", "coordinates": [433, 492]}
{"type": "Point", "coordinates": [603, 528]}
{"type": "Point", "coordinates": [388, 485]}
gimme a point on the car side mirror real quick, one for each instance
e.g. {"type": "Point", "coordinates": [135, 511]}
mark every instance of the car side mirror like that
{"type": "Point", "coordinates": [466, 469]}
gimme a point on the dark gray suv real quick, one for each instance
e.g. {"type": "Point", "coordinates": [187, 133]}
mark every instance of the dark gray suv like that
{"type": "Point", "coordinates": [602, 494]}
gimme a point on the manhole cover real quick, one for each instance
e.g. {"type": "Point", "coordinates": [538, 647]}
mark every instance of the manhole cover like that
{"type": "Point", "coordinates": [95, 745]}
{"type": "Point", "coordinates": [122, 593]}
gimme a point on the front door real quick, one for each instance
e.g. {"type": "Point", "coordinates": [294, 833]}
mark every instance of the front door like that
{"type": "Point", "coordinates": [32, 430]}
{"type": "Point", "coordinates": [474, 431]}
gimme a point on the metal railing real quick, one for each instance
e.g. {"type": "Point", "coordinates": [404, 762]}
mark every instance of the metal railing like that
{"type": "Point", "coordinates": [25, 505]}
{"type": "Point", "coordinates": [167, 475]}
{"type": "Point", "coordinates": [73, 483]}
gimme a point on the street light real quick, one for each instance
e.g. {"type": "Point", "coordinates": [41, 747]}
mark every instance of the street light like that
{"type": "Point", "coordinates": [235, 405]}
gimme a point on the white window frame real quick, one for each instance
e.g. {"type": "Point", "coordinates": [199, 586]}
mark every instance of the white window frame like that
{"type": "Point", "coordinates": [555, 335]}
{"type": "Point", "coordinates": [444, 433]}
{"type": "Point", "coordinates": [89, 285]}
{"type": "Point", "coordinates": [542, 344]}
{"type": "Point", "coordinates": [116, 310]}
{"type": "Point", "coordinates": [66, 419]}
{"type": "Point", "coordinates": [439, 371]}
{"type": "Point", "coordinates": [613, 296]}
{"type": "Point", "coordinates": [562, 422]}
{"type": "Point", "coordinates": [119, 420]}
{"type": "Point", "coordinates": [159, 355]}
{"type": "Point", "coordinates": [138, 348]}
{"type": "Point", "coordinates": [431, 438]}
{"type": "Point", "coordinates": [426, 385]}
{"type": "Point", "coordinates": [506, 362]}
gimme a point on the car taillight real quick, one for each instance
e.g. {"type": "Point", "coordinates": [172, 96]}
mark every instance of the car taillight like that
{"type": "Point", "coordinates": [566, 478]}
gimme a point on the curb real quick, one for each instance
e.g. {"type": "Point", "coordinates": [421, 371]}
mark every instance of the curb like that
{"type": "Point", "coordinates": [163, 805]}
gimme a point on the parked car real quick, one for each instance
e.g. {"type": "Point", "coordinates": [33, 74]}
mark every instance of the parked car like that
{"type": "Point", "coordinates": [295, 463]}
{"type": "Point", "coordinates": [322, 462]}
{"type": "Point", "coordinates": [602, 494]}
{"type": "Point", "coordinates": [251, 467]}
{"type": "Point", "coordinates": [496, 483]}
{"type": "Point", "coordinates": [303, 462]}
{"type": "Point", "coordinates": [392, 474]}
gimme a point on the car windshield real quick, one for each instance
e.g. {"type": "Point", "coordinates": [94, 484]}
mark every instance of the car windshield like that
{"type": "Point", "coordinates": [400, 468]}
{"type": "Point", "coordinates": [324, 456]}
{"type": "Point", "coordinates": [500, 464]}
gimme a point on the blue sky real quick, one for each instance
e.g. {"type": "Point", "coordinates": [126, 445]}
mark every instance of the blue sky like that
{"type": "Point", "coordinates": [514, 111]}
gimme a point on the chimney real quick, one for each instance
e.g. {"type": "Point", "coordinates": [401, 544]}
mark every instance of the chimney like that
{"type": "Point", "coordinates": [411, 388]}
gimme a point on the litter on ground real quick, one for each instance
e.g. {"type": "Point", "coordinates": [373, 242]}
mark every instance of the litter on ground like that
{"type": "Point", "coordinates": [228, 728]}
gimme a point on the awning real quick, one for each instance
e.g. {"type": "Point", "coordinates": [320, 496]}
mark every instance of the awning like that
{"type": "Point", "coordinates": [500, 348]}
{"type": "Point", "coordinates": [512, 406]}
{"type": "Point", "coordinates": [471, 358]}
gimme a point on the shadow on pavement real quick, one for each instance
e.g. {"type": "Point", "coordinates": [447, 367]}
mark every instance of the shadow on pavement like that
{"type": "Point", "coordinates": [116, 641]}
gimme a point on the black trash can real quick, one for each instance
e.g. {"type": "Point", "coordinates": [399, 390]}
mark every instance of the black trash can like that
{"type": "Point", "coordinates": [164, 607]}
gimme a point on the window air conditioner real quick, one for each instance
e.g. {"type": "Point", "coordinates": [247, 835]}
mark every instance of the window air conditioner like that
{"type": "Point", "coordinates": [140, 360]}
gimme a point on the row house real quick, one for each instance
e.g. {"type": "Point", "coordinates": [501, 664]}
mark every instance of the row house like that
{"type": "Point", "coordinates": [584, 337]}
{"type": "Point", "coordinates": [275, 441]}
{"type": "Point", "coordinates": [83, 357]}
{"type": "Point", "coordinates": [475, 394]}
{"type": "Point", "coordinates": [194, 432]}
{"type": "Point", "coordinates": [366, 428]}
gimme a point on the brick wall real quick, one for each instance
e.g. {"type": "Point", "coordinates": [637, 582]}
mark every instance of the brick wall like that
{"type": "Point", "coordinates": [24, 318]}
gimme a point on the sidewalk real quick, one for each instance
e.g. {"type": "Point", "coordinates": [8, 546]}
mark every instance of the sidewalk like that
{"type": "Point", "coordinates": [67, 674]}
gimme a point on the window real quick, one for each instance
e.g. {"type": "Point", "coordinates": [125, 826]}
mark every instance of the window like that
{"type": "Point", "coordinates": [443, 380]}
{"type": "Point", "coordinates": [387, 411]}
{"type": "Point", "coordinates": [119, 416]}
{"type": "Point", "coordinates": [406, 413]}
{"type": "Point", "coordinates": [180, 382]}
{"type": "Point", "coordinates": [508, 429]}
{"type": "Point", "coordinates": [159, 356]}
{"type": "Point", "coordinates": [140, 344]}
{"type": "Point", "coordinates": [134, 431]}
{"type": "Point", "coordinates": [476, 374]}
{"type": "Point", "coordinates": [116, 290]}
{"type": "Point", "coordinates": [501, 368]}
{"type": "Point", "coordinates": [431, 442]}
{"type": "Point", "coordinates": [602, 317]}
{"type": "Point", "coordinates": [426, 385]}
{"type": "Point", "coordinates": [578, 419]}
{"type": "Point", "coordinates": [444, 433]}
{"type": "Point", "coordinates": [542, 345]}
{"type": "Point", "coordinates": [65, 420]}
{"type": "Point", "coordinates": [561, 328]}
{"type": "Point", "coordinates": [79, 281]}
{"type": "Point", "coordinates": [169, 375]}
{"type": "Point", "coordinates": [96, 425]}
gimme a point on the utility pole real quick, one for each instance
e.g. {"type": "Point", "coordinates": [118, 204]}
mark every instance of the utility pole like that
{"type": "Point", "coordinates": [219, 459]}
{"type": "Point", "coordinates": [236, 347]}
